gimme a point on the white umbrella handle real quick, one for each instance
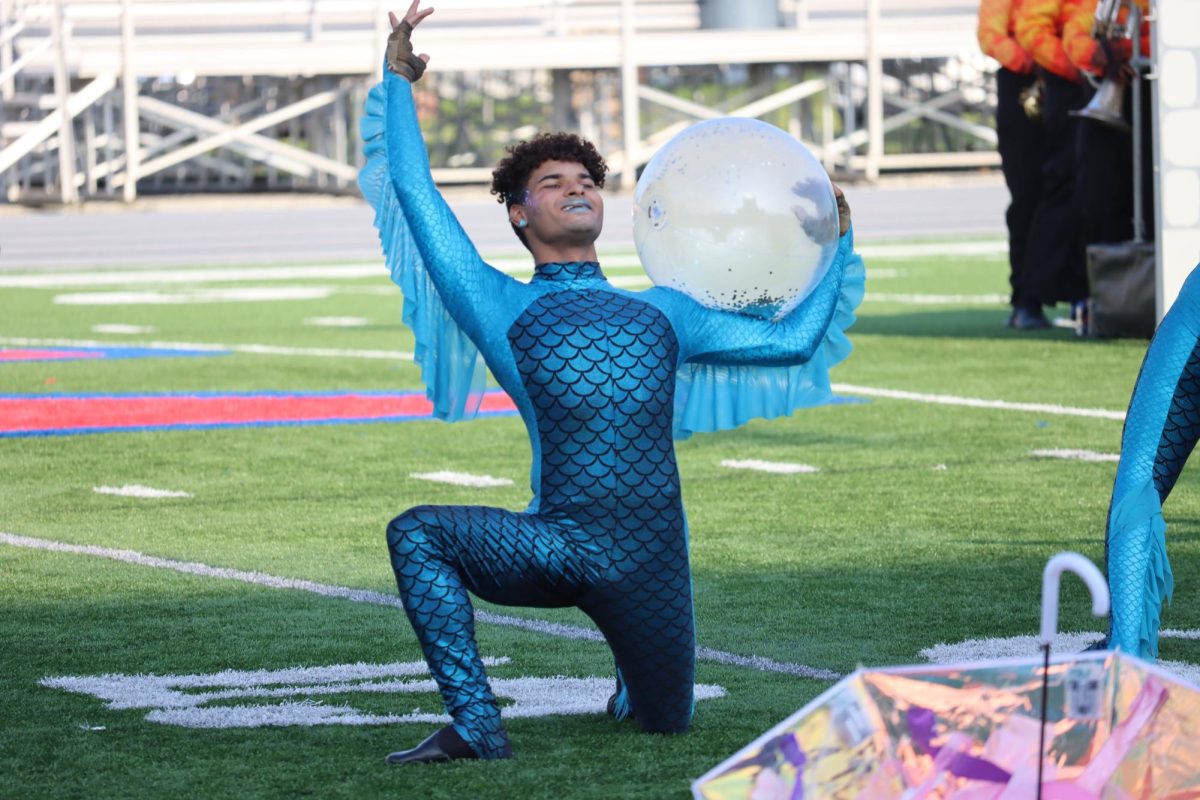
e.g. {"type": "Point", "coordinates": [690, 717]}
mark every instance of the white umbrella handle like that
{"type": "Point", "coordinates": [1050, 579]}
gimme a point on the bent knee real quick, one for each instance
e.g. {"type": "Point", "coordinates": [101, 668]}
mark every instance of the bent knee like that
{"type": "Point", "coordinates": [408, 530]}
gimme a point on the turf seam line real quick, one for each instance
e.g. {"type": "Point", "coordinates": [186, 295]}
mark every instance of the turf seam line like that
{"type": "Point", "coordinates": [975, 402]}
{"type": "Point", "coordinates": [378, 598]}
{"type": "Point", "coordinates": [252, 349]}
{"type": "Point", "coordinates": [373, 269]}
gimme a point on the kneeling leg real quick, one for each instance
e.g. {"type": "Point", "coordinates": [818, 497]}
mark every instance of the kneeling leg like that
{"type": "Point", "coordinates": [651, 630]}
{"type": "Point", "coordinates": [438, 554]}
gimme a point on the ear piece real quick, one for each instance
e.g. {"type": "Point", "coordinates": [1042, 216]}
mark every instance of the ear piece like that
{"type": "Point", "coordinates": [521, 223]}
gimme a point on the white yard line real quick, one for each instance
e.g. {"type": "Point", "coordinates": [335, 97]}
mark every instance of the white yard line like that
{"type": "Point", "coordinates": [245, 294]}
{"type": "Point", "coordinates": [256, 349]}
{"type": "Point", "coordinates": [462, 479]}
{"type": "Point", "coordinates": [138, 277]}
{"type": "Point", "coordinates": [776, 467]}
{"type": "Point", "coordinates": [137, 490]}
{"type": "Point", "coordinates": [337, 322]}
{"type": "Point", "coordinates": [377, 598]}
{"type": "Point", "coordinates": [937, 299]}
{"type": "Point", "coordinates": [118, 328]}
{"type": "Point", "coordinates": [512, 265]}
{"type": "Point", "coordinates": [994, 247]}
{"type": "Point", "coordinates": [975, 402]}
{"type": "Point", "coordinates": [1076, 455]}
{"type": "Point", "coordinates": [145, 277]}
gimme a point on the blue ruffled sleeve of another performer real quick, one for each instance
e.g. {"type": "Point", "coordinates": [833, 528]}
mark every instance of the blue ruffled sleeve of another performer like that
{"type": "Point", "coordinates": [739, 367]}
{"type": "Point", "coordinates": [1161, 429]}
{"type": "Point", "coordinates": [428, 254]}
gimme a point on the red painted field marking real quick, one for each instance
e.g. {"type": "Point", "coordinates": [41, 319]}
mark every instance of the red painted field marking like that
{"type": "Point", "coordinates": [31, 354]}
{"type": "Point", "coordinates": [34, 415]}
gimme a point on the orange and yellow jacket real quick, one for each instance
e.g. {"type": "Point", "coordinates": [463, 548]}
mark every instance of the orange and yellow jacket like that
{"type": "Point", "coordinates": [1039, 26]}
{"type": "Point", "coordinates": [1077, 33]}
{"type": "Point", "coordinates": [997, 36]}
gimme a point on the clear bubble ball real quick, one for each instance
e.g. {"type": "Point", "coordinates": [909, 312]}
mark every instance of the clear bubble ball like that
{"type": "Point", "coordinates": [738, 215]}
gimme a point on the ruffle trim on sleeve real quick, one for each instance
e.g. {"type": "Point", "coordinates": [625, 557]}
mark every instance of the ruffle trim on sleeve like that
{"type": "Point", "coordinates": [1139, 515]}
{"type": "Point", "coordinates": [451, 368]}
{"type": "Point", "coordinates": [713, 397]}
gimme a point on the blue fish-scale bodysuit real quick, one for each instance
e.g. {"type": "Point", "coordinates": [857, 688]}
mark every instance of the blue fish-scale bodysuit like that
{"type": "Point", "coordinates": [1161, 429]}
{"type": "Point", "coordinates": [593, 372]}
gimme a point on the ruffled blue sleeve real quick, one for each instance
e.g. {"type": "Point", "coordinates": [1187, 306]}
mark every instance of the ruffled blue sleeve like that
{"type": "Point", "coordinates": [739, 367]}
{"type": "Point", "coordinates": [1161, 429]}
{"type": "Point", "coordinates": [446, 286]}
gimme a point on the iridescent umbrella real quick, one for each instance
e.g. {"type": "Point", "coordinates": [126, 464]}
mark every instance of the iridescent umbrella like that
{"type": "Point", "coordinates": [1090, 726]}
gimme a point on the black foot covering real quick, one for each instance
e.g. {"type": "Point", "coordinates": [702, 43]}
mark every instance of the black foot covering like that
{"type": "Point", "coordinates": [444, 745]}
{"type": "Point", "coordinates": [612, 704]}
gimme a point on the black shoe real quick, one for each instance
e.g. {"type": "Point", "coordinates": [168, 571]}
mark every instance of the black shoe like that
{"type": "Point", "coordinates": [1102, 644]}
{"type": "Point", "coordinates": [444, 745]}
{"type": "Point", "coordinates": [1025, 319]}
{"type": "Point", "coordinates": [613, 710]}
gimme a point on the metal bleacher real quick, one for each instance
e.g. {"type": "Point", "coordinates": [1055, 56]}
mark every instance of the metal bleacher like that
{"type": "Point", "coordinates": [265, 94]}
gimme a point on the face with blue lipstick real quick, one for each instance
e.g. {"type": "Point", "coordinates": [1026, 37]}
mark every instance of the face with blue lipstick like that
{"type": "Point", "coordinates": [560, 213]}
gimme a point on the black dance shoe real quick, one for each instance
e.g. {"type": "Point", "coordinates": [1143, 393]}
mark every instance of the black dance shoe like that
{"type": "Point", "coordinates": [444, 745]}
{"type": "Point", "coordinates": [612, 706]}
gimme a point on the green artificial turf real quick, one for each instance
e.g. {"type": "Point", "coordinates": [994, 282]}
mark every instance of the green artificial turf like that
{"type": "Point", "coordinates": [925, 524]}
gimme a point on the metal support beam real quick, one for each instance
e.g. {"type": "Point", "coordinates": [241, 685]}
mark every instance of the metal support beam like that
{"type": "Point", "coordinates": [9, 30]}
{"type": "Point", "coordinates": [231, 134]}
{"type": "Point", "coordinates": [679, 104]}
{"type": "Point", "coordinates": [630, 133]}
{"type": "Point", "coordinates": [255, 146]}
{"type": "Point", "coordinates": [931, 112]}
{"type": "Point", "coordinates": [10, 72]}
{"type": "Point", "coordinates": [66, 125]}
{"type": "Point", "coordinates": [874, 93]}
{"type": "Point", "coordinates": [46, 127]}
{"type": "Point", "coordinates": [131, 123]}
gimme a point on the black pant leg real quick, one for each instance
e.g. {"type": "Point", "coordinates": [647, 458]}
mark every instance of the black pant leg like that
{"type": "Point", "coordinates": [1054, 253]}
{"type": "Point", "coordinates": [1020, 142]}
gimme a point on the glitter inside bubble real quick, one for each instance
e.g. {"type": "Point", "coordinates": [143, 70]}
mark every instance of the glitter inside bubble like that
{"type": "Point", "coordinates": [738, 215]}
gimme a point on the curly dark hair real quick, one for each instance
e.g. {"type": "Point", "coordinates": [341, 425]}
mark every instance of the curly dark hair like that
{"type": "Point", "coordinates": [512, 173]}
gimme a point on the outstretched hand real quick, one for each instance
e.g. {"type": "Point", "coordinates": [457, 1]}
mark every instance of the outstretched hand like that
{"type": "Point", "coordinates": [400, 57]}
{"type": "Point", "coordinates": [843, 210]}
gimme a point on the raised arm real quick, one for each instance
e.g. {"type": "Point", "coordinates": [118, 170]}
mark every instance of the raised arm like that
{"type": "Point", "coordinates": [469, 288]}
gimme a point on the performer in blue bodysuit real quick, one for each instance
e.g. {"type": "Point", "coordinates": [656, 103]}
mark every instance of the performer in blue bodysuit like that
{"type": "Point", "coordinates": [603, 379]}
{"type": "Point", "coordinates": [1161, 429]}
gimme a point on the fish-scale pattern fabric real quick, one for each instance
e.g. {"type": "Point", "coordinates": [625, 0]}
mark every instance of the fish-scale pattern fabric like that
{"type": "Point", "coordinates": [1179, 432]}
{"type": "Point", "coordinates": [439, 553]}
{"type": "Point", "coordinates": [593, 371]}
{"type": "Point", "coordinates": [599, 369]}
{"type": "Point", "coordinates": [1161, 429]}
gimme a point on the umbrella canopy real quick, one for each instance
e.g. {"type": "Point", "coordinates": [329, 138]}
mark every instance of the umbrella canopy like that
{"type": "Point", "coordinates": [1093, 726]}
{"type": "Point", "coordinates": [1117, 727]}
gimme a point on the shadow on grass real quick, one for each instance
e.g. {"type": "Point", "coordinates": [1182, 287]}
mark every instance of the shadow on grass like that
{"type": "Point", "coordinates": [883, 615]}
{"type": "Point", "coordinates": [976, 323]}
